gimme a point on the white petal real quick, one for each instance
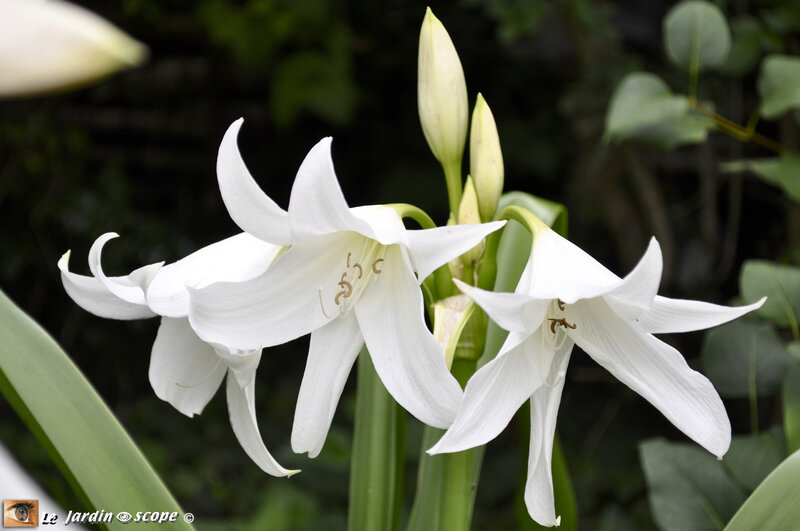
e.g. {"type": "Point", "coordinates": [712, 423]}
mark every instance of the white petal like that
{"type": "Point", "coordinates": [384, 224]}
{"type": "Point", "coordinates": [653, 369]}
{"type": "Point", "coordinates": [242, 410]}
{"type": "Point", "coordinates": [539, 497]}
{"type": "Point", "coordinates": [317, 205]}
{"type": "Point", "coordinates": [431, 248]}
{"type": "Point", "coordinates": [247, 204]}
{"type": "Point", "coordinates": [91, 295]}
{"type": "Point", "coordinates": [282, 304]}
{"type": "Point", "coordinates": [52, 45]}
{"type": "Point", "coordinates": [495, 392]}
{"type": "Point", "coordinates": [559, 269]}
{"type": "Point", "coordinates": [237, 258]}
{"type": "Point", "coordinates": [333, 349]}
{"type": "Point", "coordinates": [408, 359]}
{"type": "Point", "coordinates": [184, 371]}
{"type": "Point", "coordinates": [635, 293]}
{"type": "Point", "coordinates": [127, 289]}
{"type": "Point", "coordinates": [242, 363]}
{"type": "Point", "coordinates": [512, 311]}
{"type": "Point", "coordinates": [667, 316]}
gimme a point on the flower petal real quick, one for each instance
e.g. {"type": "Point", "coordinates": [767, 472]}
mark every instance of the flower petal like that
{"type": "Point", "coordinates": [539, 497]}
{"type": "Point", "coordinates": [184, 371]}
{"type": "Point", "coordinates": [407, 358]}
{"type": "Point", "coordinates": [317, 205]}
{"type": "Point", "coordinates": [247, 204]}
{"type": "Point", "coordinates": [666, 316]}
{"type": "Point", "coordinates": [131, 288]}
{"type": "Point", "coordinates": [513, 311]}
{"type": "Point", "coordinates": [562, 270]}
{"type": "Point", "coordinates": [495, 392]}
{"type": "Point", "coordinates": [431, 248]}
{"type": "Point", "coordinates": [237, 258]}
{"type": "Point", "coordinates": [653, 369]}
{"type": "Point", "coordinates": [242, 363]}
{"type": "Point", "coordinates": [635, 293]}
{"type": "Point", "coordinates": [333, 349]}
{"type": "Point", "coordinates": [282, 304]}
{"type": "Point", "coordinates": [91, 295]}
{"type": "Point", "coordinates": [242, 411]}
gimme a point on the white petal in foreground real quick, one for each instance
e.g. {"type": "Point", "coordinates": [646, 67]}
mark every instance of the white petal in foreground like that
{"type": "Point", "coordinates": [91, 295]}
{"type": "Point", "coordinates": [635, 293]}
{"type": "Point", "coordinates": [495, 393]}
{"type": "Point", "coordinates": [184, 371]}
{"type": "Point", "coordinates": [655, 370]}
{"type": "Point", "coordinates": [241, 407]}
{"type": "Point", "coordinates": [131, 288]}
{"type": "Point", "coordinates": [408, 359]}
{"type": "Point", "coordinates": [667, 316]}
{"type": "Point", "coordinates": [431, 248]}
{"type": "Point", "coordinates": [333, 349]}
{"type": "Point", "coordinates": [247, 204]}
{"type": "Point", "coordinates": [514, 312]}
{"type": "Point", "coordinates": [52, 45]}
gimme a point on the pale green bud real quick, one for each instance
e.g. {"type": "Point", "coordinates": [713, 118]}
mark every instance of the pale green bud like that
{"type": "Point", "coordinates": [48, 46]}
{"type": "Point", "coordinates": [485, 159]}
{"type": "Point", "coordinates": [441, 93]}
{"type": "Point", "coordinates": [468, 213]}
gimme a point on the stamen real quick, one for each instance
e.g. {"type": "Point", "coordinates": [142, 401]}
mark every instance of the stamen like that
{"type": "Point", "coordinates": [348, 260]}
{"type": "Point", "coordinates": [205, 378]}
{"type": "Point", "coordinates": [562, 322]}
{"type": "Point", "coordinates": [321, 305]}
{"type": "Point", "coordinates": [560, 304]}
{"type": "Point", "coordinates": [374, 266]}
{"type": "Point", "coordinates": [360, 271]}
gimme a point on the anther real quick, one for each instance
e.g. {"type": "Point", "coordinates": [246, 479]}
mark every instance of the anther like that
{"type": "Point", "coordinates": [348, 260]}
{"type": "Point", "coordinates": [346, 292]}
{"type": "Point", "coordinates": [560, 305]}
{"type": "Point", "coordinates": [375, 268]}
{"type": "Point", "coordinates": [563, 322]}
{"type": "Point", "coordinates": [360, 271]}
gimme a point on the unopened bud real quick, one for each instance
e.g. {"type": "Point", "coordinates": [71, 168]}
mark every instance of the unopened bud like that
{"type": "Point", "coordinates": [468, 214]}
{"type": "Point", "coordinates": [485, 159]}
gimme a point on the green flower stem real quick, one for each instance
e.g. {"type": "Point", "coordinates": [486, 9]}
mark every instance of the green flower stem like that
{"type": "Point", "coordinates": [452, 175]}
{"type": "Point", "coordinates": [404, 210]}
{"type": "Point", "coordinates": [377, 464]}
{"type": "Point", "coordinates": [743, 134]}
{"type": "Point", "coordinates": [428, 499]}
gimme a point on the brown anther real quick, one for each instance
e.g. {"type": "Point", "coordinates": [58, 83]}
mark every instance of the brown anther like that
{"type": "Point", "coordinates": [360, 271]}
{"type": "Point", "coordinates": [560, 304]}
{"type": "Point", "coordinates": [560, 322]}
{"type": "Point", "coordinates": [346, 292]}
{"type": "Point", "coordinates": [348, 260]}
{"type": "Point", "coordinates": [374, 266]}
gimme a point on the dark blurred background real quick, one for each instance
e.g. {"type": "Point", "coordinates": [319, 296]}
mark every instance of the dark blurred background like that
{"type": "Point", "coordinates": [136, 154]}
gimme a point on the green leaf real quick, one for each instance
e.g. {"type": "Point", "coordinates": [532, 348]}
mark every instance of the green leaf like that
{"type": "Point", "coordinates": [775, 504]}
{"type": "Point", "coordinates": [783, 172]}
{"type": "Point", "coordinates": [688, 488]}
{"type": "Point", "coordinates": [696, 35]}
{"type": "Point", "coordinates": [780, 284]}
{"type": "Point", "coordinates": [748, 36]}
{"type": "Point", "coordinates": [766, 168]}
{"type": "Point", "coordinates": [779, 85]}
{"type": "Point", "coordinates": [69, 418]}
{"type": "Point", "coordinates": [791, 406]}
{"type": "Point", "coordinates": [744, 357]}
{"type": "Point", "coordinates": [752, 457]}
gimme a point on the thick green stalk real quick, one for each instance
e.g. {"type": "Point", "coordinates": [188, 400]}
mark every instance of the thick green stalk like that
{"type": "Point", "coordinates": [427, 502]}
{"type": "Point", "coordinates": [376, 467]}
{"type": "Point", "coordinates": [452, 175]}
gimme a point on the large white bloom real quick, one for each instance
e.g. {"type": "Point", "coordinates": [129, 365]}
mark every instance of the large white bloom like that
{"type": "Point", "coordinates": [563, 298]}
{"type": "Point", "coordinates": [184, 370]}
{"type": "Point", "coordinates": [348, 278]}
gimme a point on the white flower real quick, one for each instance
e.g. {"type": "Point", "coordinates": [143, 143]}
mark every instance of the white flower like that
{"type": "Point", "coordinates": [347, 279]}
{"type": "Point", "coordinates": [184, 370]}
{"type": "Point", "coordinates": [565, 297]}
{"type": "Point", "coordinates": [53, 45]}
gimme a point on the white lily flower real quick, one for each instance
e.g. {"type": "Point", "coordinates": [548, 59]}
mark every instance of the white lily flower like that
{"type": "Point", "coordinates": [347, 279]}
{"type": "Point", "coordinates": [563, 298]}
{"type": "Point", "coordinates": [53, 45]}
{"type": "Point", "coordinates": [184, 370]}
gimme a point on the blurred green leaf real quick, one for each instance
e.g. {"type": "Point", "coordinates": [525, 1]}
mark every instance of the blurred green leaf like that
{"type": "Point", "coordinates": [644, 108]}
{"type": "Point", "coordinates": [779, 283]}
{"type": "Point", "coordinates": [775, 504]}
{"type": "Point", "coordinates": [752, 457]}
{"type": "Point", "coordinates": [696, 35]}
{"type": "Point", "coordinates": [783, 171]}
{"type": "Point", "coordinates": [779, 85]}
{"type": "Point", "coordinates": [688, 488]}
{"type": "Point", "coordinates": [743, 357]}
{"type": "Point", "coordinates": [790, 397]}
{"type": "Point", "coordinates": [748, 36]}
{"type": "Point", "coordinates": [93, 451]}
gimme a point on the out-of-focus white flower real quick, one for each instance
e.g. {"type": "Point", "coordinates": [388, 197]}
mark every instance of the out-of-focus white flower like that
{"type": "Point", "coordinates": [50, 45]}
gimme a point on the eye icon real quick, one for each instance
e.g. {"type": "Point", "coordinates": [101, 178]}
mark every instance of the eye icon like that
{"type": "Point", "coordinates": [124, 517]}
{"type": "Point", "coordinates": [20, 513]}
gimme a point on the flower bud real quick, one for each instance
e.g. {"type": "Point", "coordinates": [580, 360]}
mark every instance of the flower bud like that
{"type": "Point", "coordinates": [441, 93]}
{"type": "Point", "coordinates": [51, 45]}
{"type": "Point", "coordinates": [468, 214]}
{"type": "Point", "coordinates": [485, 159]}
